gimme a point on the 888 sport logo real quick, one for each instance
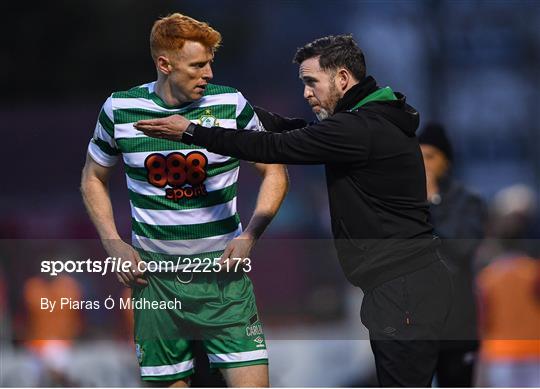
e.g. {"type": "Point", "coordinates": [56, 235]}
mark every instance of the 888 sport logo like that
{"type": "Point", "coordinates": [176, 170]}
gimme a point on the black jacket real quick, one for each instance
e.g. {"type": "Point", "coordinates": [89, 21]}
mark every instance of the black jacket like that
{"type": "Point", "coordinates": [375, 179]}
{"type": "Point", "coordinates": [458, 218]}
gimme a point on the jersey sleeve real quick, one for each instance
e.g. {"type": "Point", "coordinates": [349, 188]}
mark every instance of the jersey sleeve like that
{"type": "Point", "coordinates": [246, 118]}
{"type": "Point", "coordinates": [102, 147]}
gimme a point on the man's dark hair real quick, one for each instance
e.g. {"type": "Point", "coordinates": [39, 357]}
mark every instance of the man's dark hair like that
{"type": "Point", "coordinates": [335, 51]}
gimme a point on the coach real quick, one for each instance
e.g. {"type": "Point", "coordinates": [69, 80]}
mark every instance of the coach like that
{"type": "Point", "coordinates": [377, 193]}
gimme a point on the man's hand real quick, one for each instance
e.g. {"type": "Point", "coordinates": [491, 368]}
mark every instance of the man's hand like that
{"type": "Point", "coordinates": [236, 251]}
{"type": "Point", "coordinates": [171, 127]}
{"type": "Point", "coordinates": [126, 253]}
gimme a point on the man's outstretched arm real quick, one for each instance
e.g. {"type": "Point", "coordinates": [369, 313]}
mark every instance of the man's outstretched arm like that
{"type": "Point", "coordinates": [276, 123]}
{"type": "Point", "coordinates": [338, 139]}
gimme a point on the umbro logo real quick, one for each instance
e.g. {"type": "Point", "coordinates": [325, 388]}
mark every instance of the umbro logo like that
{"type": "Point", "coordinates": [391, 331]}
{"type": "Point", "coordinates": [260, 341]}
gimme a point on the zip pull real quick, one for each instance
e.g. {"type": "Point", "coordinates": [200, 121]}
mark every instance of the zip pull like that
{"type": "Point", "coordinates": [407, 318]}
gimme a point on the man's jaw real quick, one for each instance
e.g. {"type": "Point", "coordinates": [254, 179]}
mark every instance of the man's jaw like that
{"type": "Point", "coordinates": [320, 112]}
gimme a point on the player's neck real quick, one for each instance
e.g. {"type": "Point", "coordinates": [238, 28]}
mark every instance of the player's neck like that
{"type": "Point", "coordinates": [166, 93]}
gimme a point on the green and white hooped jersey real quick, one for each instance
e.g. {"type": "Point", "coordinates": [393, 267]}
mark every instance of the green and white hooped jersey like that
{"type": "Point", "coordinates": [183, 198]}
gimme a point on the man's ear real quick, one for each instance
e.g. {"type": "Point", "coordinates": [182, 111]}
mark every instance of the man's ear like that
{"type": "Point", "coordinates": [163, 64]}
{"type": "Point", "coordinates": [343, 79]}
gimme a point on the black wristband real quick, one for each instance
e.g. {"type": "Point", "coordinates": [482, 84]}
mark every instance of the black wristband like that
{"type": "Point", "coordinates": [187, 136]}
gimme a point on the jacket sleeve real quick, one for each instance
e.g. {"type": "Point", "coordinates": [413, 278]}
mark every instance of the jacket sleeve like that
{"type": "Point", "coordinates": [276, 123]}
{"type": "Point", "coordinates": [341, 138]}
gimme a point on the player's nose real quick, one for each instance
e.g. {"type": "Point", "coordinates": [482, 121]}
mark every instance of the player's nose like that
{"type": "Point", "coordinates": [208, 74]}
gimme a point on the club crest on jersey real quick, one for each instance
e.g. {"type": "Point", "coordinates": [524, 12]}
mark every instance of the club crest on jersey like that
{"type": "Point", "coordinates": [208, 120]}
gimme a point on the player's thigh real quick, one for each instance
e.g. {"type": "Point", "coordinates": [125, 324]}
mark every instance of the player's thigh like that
{"type": "Point", "coordinates": [247, 376]}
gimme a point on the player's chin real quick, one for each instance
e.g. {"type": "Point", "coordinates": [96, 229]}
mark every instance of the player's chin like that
{"type": "Point", "coordinates": [197, 93]}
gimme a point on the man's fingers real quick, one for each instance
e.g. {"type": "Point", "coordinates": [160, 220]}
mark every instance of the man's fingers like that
{"type": "Point", "coordinates": [121, 280]}
{"type": "Point", "coordinates": [153, 133]}
{"type": "Point", "coordinates": [150, 129]}
{"type": "Point", "coordinates": [129, 275]}
{"type": "Point", "coordinates": [151, 122]}
{"type": "Point", "coordinates": [226, 253]}
{"type": "Point", "coordinates": [124, 277]}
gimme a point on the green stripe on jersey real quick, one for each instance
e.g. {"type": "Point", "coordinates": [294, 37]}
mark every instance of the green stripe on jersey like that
{"type": "Point", "coordinates": [189, 231]}
{"type": "Point", "coordinates": [160, 202]}
{"type": "Point", "coordinates": [131, 115]}
{"type": "Point", "coordinates": [245, 116]}
{"type": "Point", "coordinates": [146, 144]}
{"type": "Point", "coordinates": [106, 123]}
{"type": "Point", "coordinates": [138, 92]}
{"type": "Point", "coordinates": [213, 89]}
{"type": "Point", "coordinates": [140, 173]}
{"type": "Point", "coordinates": [105, 147]}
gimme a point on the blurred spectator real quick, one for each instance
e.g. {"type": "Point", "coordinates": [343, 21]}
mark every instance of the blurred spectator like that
{"type": "Point", "coordinates": [513, 219]}
{"type": "Point", "coordinates": [5, 333]}
{"type": "Point", "coordinates": [458, 218]}
{"type": "Point", "coordinates": [510, 298]}
{"type": "Point", "coordinates": [50, 332]}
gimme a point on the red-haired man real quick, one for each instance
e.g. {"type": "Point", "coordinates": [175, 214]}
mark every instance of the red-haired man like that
{"type": "Point", "coordinates": [183, 202]}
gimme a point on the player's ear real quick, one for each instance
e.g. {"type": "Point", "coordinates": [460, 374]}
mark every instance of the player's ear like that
{"type": "Point", "coordinates": [163, 64]}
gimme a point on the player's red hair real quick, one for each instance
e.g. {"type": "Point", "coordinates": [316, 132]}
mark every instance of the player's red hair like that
{"type": "Point", "coordinates": [171, 32]}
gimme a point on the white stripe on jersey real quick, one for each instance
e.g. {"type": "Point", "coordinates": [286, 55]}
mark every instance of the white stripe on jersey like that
{"type": "Point", "coordinates": [187, 246]}
{"type": "Point", "coordinates": [184, 216]}
{"type": "Point", "coordinates": [126, 130]}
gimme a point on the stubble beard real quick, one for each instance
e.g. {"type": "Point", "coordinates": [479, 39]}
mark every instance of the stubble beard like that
{"type": "Point", "coordinates": [333, 98]}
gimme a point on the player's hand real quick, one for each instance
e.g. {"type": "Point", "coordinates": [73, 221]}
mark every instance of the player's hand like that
{"type": "Point", "coordinates": [170, 127]}
{"type": "Point", "coordinates": [126, 253]}
{"type": "Point", "coordinates": [236, 251]}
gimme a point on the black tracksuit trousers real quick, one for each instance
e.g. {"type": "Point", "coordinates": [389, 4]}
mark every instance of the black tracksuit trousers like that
{"type": "Point", "coordinates": [406, 318]}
